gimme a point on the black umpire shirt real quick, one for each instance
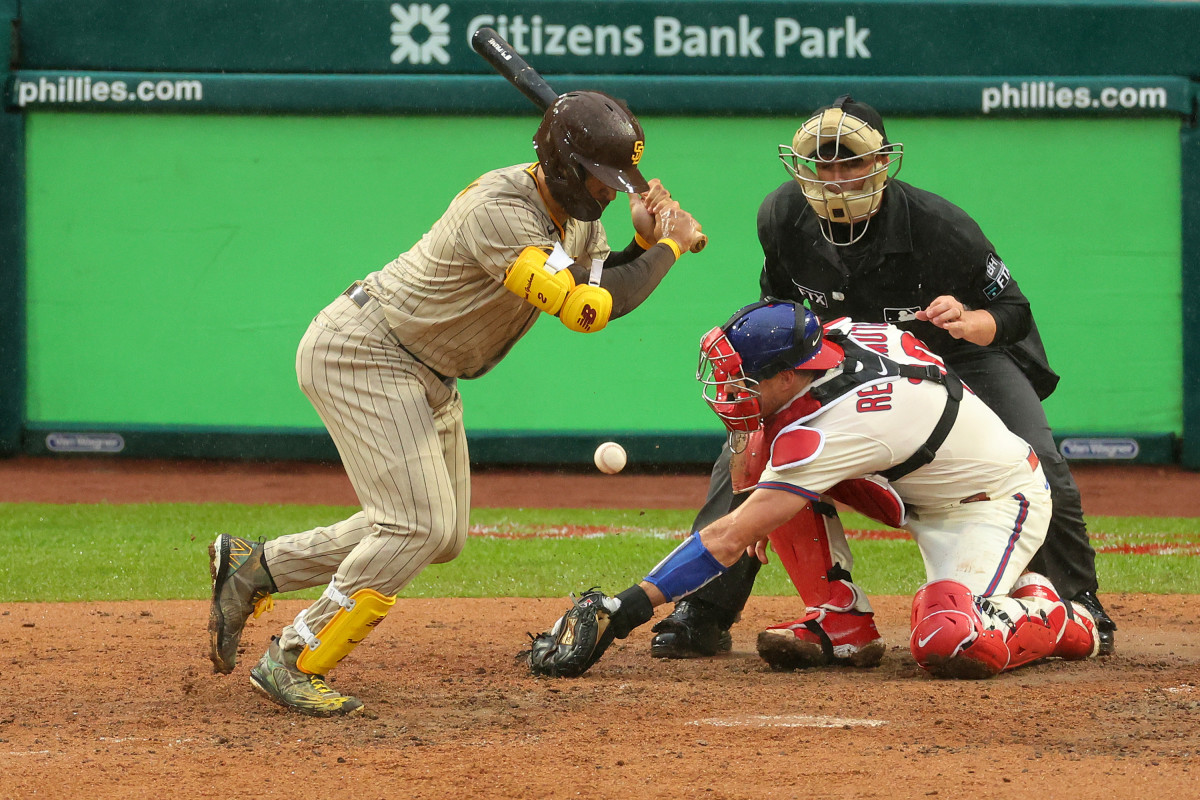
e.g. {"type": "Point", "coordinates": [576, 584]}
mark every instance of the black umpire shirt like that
{"type": "Point", "coordinates": [918, 247]}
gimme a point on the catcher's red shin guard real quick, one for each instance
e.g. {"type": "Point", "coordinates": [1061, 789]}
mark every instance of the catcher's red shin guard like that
{"type": "Point", "coordinates": [802, 544]}
{"type": "Point", "coordinates": [948, 638]}
{"type": "Point", "coordinates": [1073, 625]}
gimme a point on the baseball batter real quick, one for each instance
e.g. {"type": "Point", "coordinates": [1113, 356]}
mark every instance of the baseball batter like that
{"type": "Point", "coordinates": [847, 238]}
{"type": "Point", "coordinates": [380, 366]}
{"type": "Point", "coordinates": [869, 403]}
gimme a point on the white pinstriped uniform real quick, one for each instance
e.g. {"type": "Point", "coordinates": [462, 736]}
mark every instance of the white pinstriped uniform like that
{"type": "Point", "coordinates": [382, 377]}
{"type": "Point", "coordinates": [982, 543]}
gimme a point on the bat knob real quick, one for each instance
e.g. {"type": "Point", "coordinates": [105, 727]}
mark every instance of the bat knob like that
{"type": "Point", "coordinates": [700, 243]}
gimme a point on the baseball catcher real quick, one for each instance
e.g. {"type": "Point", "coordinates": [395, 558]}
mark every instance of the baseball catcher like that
{"type": "Point", "coordinates": [859, 402]}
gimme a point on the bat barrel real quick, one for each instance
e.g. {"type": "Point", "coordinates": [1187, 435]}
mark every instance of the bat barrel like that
{"type": "Point", "coordinates": [505, 60]}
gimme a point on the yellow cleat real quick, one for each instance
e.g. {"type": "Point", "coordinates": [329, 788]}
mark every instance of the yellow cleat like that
{"type": "Point", "coordinates": [277, 678]}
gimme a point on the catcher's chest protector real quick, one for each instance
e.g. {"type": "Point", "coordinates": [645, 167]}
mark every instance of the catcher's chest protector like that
{"type": "Point", "coordinates": [863, 367]}
{"type": "Point", "coordinates": [747, 466]}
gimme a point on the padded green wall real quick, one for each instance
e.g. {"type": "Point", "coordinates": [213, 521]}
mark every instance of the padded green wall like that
{"type": "Point", "coordinates": [174, 261]}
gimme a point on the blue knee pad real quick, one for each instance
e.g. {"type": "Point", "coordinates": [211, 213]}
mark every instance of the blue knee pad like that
{"type": "Point", "coordinates": [689, 567]}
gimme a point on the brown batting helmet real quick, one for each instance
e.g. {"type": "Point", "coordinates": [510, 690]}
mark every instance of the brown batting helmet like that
{"type": "Point", "coordinates": [589, 133]}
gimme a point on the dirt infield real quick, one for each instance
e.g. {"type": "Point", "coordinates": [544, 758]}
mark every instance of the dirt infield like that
{"type": "Point", "coordinates": [111, 700]}
{"type": "Point", "coordinates": [117, 700]}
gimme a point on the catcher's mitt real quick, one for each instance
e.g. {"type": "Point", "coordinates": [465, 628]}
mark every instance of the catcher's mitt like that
{"type": "Point", "coordinates": [576, 641]}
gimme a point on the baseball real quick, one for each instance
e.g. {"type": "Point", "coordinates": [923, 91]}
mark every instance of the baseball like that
{"type": "Point", "coordinates": [610, 458]}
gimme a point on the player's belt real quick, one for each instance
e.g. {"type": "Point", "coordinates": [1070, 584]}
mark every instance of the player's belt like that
{"type": "Point", "coordinates": [358, 294]}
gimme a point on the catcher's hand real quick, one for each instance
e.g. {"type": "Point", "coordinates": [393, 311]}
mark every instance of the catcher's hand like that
{"type": "Point", "coordinates": [576, 641]}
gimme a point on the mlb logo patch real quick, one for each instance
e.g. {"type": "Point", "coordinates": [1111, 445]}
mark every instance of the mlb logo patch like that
{"type": "Point", "coordinates": [898, 315]}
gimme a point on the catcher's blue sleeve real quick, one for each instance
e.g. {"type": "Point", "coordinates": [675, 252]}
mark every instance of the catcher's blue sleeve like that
{"type": "Point", "coordinates": [685, 570]}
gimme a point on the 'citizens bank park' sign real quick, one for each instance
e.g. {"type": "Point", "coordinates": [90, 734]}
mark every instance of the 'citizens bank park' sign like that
{"type": "Point", "coordinates": [661, 37]}
{"type": "Point", "coordinates": [629, 37]}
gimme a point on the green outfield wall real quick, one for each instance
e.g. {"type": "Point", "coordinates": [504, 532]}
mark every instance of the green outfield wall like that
{"type": "Point", "coordinates": [183, 186]}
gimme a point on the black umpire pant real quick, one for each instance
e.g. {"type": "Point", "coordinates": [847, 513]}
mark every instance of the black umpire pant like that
{"type": "Point", "coordinates": [1066, 557]}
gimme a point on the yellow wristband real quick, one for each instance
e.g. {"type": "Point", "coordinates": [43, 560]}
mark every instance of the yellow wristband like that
{"type": "Point", "coordinates": [671, 244]}
{"type": "Point", "coordinates": [642, 243]}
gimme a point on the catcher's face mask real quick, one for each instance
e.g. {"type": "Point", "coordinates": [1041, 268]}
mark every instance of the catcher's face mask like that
{"type": "Point", "coordinates": [842, 163]}
{"type": "Point", "coordinates": [725, 387]}
{"type": "Point", "coordinates": [759, 342]}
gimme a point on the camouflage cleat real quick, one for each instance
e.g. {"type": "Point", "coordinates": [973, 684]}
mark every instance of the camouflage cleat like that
{"type": "Point", "coordinates": [242, 585]}
{"type": "Point", "coordinates": [277, 678]}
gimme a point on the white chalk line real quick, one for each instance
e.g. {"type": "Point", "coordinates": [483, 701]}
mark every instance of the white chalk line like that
{"type": "Point", "coordinates": [788, 721]}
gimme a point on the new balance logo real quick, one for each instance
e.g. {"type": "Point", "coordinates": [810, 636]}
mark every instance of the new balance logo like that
{"type": "Point", "coordinates": [587, 317]}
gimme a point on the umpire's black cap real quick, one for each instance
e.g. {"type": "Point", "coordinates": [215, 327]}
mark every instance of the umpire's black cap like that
{"type": "Point", "coordinates": [860, 111]}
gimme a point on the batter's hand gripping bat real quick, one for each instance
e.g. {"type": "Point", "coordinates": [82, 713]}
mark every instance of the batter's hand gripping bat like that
{"type": "Point", "coordinates": [500, 54]}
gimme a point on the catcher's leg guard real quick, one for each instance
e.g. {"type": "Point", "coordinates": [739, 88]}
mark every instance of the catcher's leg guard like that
{"type": "Point", "coordinates": [948, 636]}
{"type": "Point", "coordinates": [957, 635]}
{"type": "Point", "coordinates": [805, 549]}
{"type": "Point", "coordinates": [358, 616]}
{"type": "Point", "coordinates": [1075, 629]}
{"type": "Point", "coordinates": [841, 631]}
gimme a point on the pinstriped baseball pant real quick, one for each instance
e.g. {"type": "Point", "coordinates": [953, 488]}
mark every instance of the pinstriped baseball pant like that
{"type": "Point", "coordinates": [398, 429]}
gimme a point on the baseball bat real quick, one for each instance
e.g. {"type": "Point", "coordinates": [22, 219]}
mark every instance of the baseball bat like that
{"type": "Point", "coordinates": [527, 80]}
{"type": "Point", "coordinates": [515, 69]}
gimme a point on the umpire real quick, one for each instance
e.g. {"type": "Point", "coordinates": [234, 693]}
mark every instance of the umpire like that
{"type": "Point", "coordinates": [849, 239]}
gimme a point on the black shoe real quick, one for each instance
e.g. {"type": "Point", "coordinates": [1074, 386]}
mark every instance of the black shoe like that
{"type": "Point", "coordinates": [1105, 627]}
{"type": "Point", "coordinates": [690, 631]}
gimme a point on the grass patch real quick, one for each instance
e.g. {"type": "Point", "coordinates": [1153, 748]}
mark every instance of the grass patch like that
{"type": "Point", "coordinates": [159, 551]}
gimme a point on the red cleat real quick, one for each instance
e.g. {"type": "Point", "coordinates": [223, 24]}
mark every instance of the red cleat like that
{"type": "Point", "coordinates": [833, 633]}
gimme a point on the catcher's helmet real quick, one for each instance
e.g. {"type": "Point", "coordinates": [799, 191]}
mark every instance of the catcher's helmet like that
{"type": "Point", "coordinates": [589, 132]}
{"type": "Point", "coordinates": [847, 132]}
{"type": "Point", "coordinates": [757, 343]}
